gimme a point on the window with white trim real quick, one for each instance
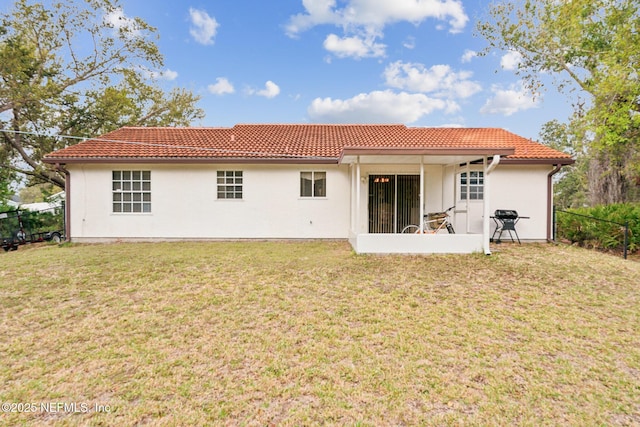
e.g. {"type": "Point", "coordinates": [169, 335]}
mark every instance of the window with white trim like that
{"type": "Point", "coordinates": [131, 191]}
{"type": "Point", "coordinates": [229, 184]}
{"type": "Point", "coordinates": [313, 184]}
{"type": "Point", "coordinates": [474, 184]}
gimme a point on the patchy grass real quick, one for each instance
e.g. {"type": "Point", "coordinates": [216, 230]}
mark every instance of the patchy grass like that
{"type": "Point", "coordinates": [260, 333]}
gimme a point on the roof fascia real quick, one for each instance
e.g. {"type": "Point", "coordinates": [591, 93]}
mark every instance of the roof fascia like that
{"type": "Point", "coordinates": [550, 161]}
{"type": "Point", "coordinates": [170, 160]}
{"type": "Point", "coordinates": [359, 151]}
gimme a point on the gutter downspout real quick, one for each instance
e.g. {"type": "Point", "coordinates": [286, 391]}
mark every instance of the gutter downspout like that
{"type": "Point", "coordinates": [550, 201]}
{"type": "Point", "coordinates": [67, 201]}
{"type": "Point", "coordinates": [487, 209]}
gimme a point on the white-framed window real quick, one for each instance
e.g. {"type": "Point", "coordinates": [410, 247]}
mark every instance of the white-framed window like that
{"type": "Point", "coordinates": [131, 191]}
{"type": "Point", "coordinates": [472, 187]}
{"type": "Point", "coordinates": [229, 184]}
{"type": "Point", "coordinates": [313, 184]}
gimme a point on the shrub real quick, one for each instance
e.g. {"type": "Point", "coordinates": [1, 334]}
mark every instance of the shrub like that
{"type": "Point", "coordinates": [600, 227]}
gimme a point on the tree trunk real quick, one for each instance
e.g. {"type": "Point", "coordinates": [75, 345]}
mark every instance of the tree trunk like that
{"type": "Point", "coordinates": [607, 178]}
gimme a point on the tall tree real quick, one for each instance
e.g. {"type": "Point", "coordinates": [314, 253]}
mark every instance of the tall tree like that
{"type": "Point", "coordinates": [592, 48]}
{"type": "Point", "coordinates": [77, 68]}
{"type": "Point", "coordinates": [570, 191]}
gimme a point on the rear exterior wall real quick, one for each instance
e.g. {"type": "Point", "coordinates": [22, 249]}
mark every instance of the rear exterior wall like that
{"type": "Point", "coordinates": [185, 204]}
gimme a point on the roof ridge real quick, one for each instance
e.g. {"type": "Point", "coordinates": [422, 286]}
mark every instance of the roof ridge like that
{"type": "Point", "coordinates": [323, 124]}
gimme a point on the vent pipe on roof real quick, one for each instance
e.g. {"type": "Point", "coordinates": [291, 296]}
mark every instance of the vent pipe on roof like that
{"type": "Point", "coordinates": [233, 138]}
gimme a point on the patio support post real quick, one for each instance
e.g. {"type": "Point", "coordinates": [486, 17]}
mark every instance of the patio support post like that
{"type": "Point", "coordinates": [352, 201]}
{"type": "Point", "coordinates": [421, 195]}
{"type": "Point", "coordinates": [466, 202]}
{"type": "Point", "coordinates": [486, 227]}
{"type": "Point", "coordinates": [358, 190]}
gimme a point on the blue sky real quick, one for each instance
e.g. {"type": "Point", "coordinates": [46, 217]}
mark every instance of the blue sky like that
{"type": "Point", "coordinates": [342, 61]}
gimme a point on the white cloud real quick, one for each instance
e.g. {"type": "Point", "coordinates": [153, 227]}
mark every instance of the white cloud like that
{"type": "Point", "coordinates": [355, 47]}
{"type": "Point", "coordinates": [363, 21]}
{"type": "Point", "coordinates": [221, 86]}
{"type": "Point", "coordinates": [271, 90]}
{"type": "Point", "coordinates": [511, 60]}
{"type": "Point", "coordinates": [468, 55]}
{"type": "Point", "coordinates": [119, 21]}
{"type": "Point", "coordinates": [377, 107]}
{"type": "Point", "coordinates": [440, 80]}
{"type": "Point", "coordinates": [204, 27]}
{"type": "Point", "coordinates": [409, 43]}
{"type": "Point", "coordinates": [167, 74]}
{"type": "Point", "coordinates": [509, 101]}
{"type": "Point", "coordinates": [375, 14]}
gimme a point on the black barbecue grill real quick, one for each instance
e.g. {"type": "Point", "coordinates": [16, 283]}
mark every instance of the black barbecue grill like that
{"type": "Point", "coordinates": [506, 220]}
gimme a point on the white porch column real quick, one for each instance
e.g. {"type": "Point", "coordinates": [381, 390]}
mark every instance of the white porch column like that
{"type": "Point", "coordinates": [352, 202]}
{"type": "Point", "coordinates": [421, 195]}
{"type": "Point", "coordinates": [467, 170]}
{"type": "Point", "coordinates": [486, 226]}
{"type": "Point", "coordinates": [358, 185]}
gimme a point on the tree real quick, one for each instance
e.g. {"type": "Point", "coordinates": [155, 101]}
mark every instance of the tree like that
{"type": "Point", "coordinates": [80, 69]}
{"type": "Point", "coordinates": [570, 191]}
{"type": "Point", "coordinates": [592, 48]}
{"type": "Point", "coordinates": [5, 188]}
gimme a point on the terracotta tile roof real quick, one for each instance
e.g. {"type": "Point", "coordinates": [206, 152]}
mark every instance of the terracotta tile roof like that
{"type": "Point", "coordinates": [292, 142]}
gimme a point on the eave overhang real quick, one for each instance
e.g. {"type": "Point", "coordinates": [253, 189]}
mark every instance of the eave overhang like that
{"type": "Point", "coordinates": [441, 154]}
{"type": "Point", "coordinates": [547, 161]}
{"type": "Point", "coordinates": [195, 160]}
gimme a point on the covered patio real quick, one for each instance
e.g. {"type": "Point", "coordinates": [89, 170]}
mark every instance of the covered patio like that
{"type": "Point", "coordinates": [392, 188]}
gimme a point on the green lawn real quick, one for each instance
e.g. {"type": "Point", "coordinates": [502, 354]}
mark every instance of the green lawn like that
{"type": "Point", "coordinates": [281, 333]}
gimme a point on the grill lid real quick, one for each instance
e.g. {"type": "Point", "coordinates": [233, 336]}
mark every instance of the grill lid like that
{"type": "Point", "coordinates": [506, 214]}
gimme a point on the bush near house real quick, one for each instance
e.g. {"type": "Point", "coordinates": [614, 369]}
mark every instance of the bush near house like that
{"type": "Point", "coordinates": [599, 227]}
{"type": "Point", "coordinates": [44, 220]}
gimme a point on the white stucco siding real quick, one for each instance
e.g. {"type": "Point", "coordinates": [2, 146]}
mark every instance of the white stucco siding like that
{"type": "Point", "coordinates": [184, 204]}
{"type": "Point", "coordinates": [523, 189]}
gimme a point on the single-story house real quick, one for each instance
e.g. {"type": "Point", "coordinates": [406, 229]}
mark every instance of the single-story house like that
{"type": "Point", "coordinates": [364, 183]}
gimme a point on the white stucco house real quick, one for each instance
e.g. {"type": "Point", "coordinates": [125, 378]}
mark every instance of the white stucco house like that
{"type": "Point", "coordinates": [363, 183]}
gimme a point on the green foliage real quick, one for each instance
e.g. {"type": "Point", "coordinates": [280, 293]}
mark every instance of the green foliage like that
{"type": "Point", "coordinates": [601, 227]}
{"type": "Point", "coordinates": [5, 189]}
{"type": "Point", "coordinates": [47, 220]}
{"type": "Point", "coordinates": [591, 49]}
{"type": "Point", "coordinates": [77, 68]}
{"type": "Point", "coordinates": [32, 222]}
{"type": "Point", "coordinates": [37, 193]}
{"type": "Point", "coordinates": [570, 188]}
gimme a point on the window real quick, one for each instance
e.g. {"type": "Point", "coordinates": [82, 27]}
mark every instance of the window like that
{"type": "Point", "coordinates": [131, 191]}
{"type": "Point", "coordinates": [229, 184]}
{"type": "Point", "coordinates": [313, 184]}
{"type": "Point", "coordinates": [475, 185]}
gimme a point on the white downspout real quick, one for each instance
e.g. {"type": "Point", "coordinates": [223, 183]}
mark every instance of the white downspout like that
{"type": "Point", "coordinates": [486, 226]}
